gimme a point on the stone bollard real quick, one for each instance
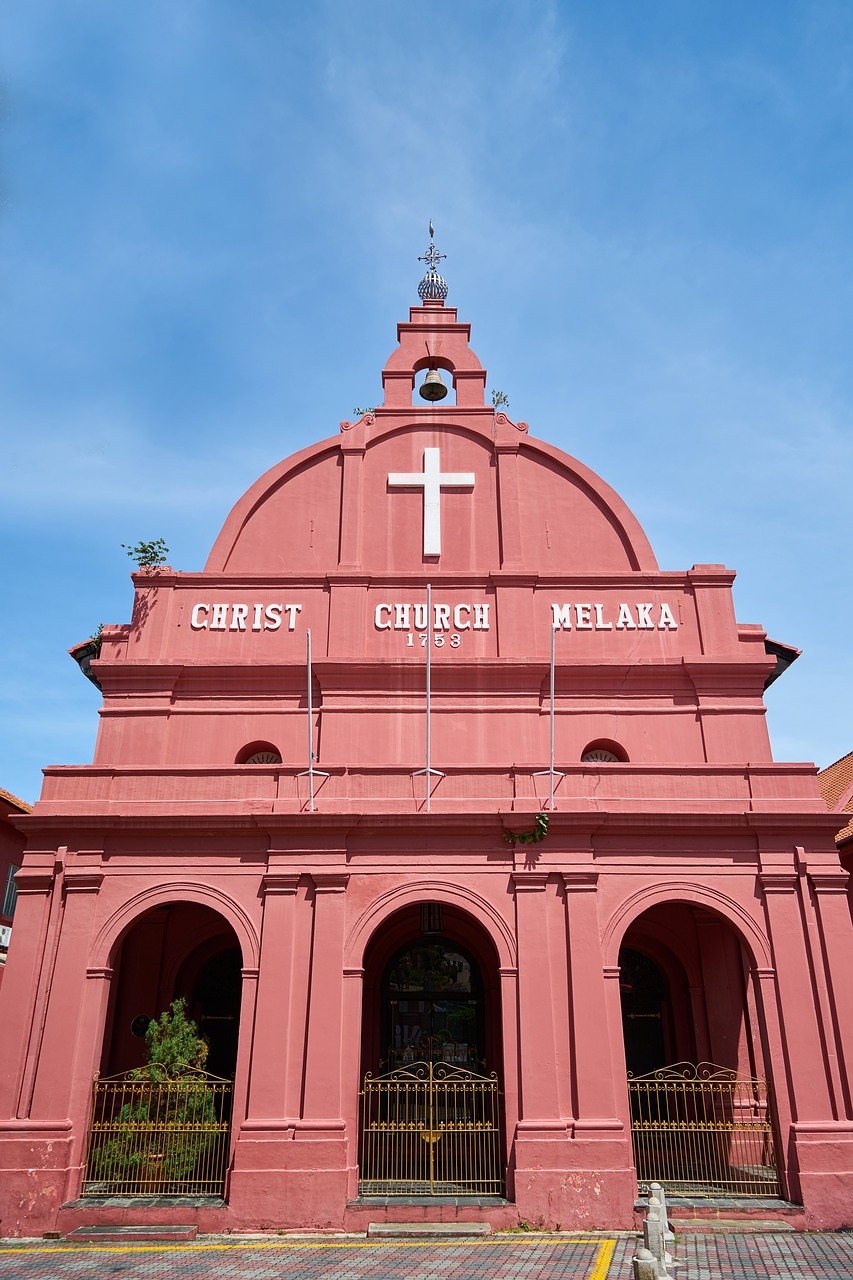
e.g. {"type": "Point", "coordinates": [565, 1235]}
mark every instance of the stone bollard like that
{"type": "Point", "coordinates": [656, 1189]}
{"type": "Point", "coordinates": [645, 1265]}
{"type": "Point", "coordinates": [653, 1238]}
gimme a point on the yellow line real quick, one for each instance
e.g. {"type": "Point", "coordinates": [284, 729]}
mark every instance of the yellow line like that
{"type": "Point", "coordinates": [607, 1246]}
{"type": "Point", "coordinates": [602, 1261]}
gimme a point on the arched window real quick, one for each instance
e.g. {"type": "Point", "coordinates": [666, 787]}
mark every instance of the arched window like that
{"type": "Point", "coordinates": [603, 751]}
{"type": "Point", "coordinates": [259, 753]}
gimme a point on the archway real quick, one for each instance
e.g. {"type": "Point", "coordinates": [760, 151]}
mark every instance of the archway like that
{"type": "Point", "coordinates": [165, 1129]}
{"type": "Point", "coordinates": [180, 949]}
{"type": "Point", "coordinates": [431, 1056]}
{"type": "Point", "coordinates": [701, 1114]}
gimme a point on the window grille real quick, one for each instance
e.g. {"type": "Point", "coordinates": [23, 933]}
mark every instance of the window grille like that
{"type": "Point", "coordinates": [11, 893]}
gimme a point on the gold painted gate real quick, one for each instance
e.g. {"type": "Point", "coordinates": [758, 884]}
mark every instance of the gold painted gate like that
{"type": "Point", "coordinates": [430, 1128]}
{"type": "Point", "coordinates": [703, 1130]}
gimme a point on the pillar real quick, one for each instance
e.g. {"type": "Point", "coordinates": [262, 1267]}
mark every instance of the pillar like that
{"type": "Point", "coordinates": [601, 1144]}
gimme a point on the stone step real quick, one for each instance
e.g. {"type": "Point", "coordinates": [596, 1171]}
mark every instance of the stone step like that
{"type": "Point", "coordinates": [396, 1230]}
{"type": "Point", "coordinates": [103, 1232]}
{"type": "Point", "coordinates": [681, 1226]}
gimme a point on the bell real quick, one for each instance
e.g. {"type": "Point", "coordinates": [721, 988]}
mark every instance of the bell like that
{"type": "Point", "coordinates": [432, 388]}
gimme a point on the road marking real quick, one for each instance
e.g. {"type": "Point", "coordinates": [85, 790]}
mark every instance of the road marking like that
{"type": "Point", "coordinates": [602, 1261]}
{"type": "Point", "coordinates": [599, 1271]}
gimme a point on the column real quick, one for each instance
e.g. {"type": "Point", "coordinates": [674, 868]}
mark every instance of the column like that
{"type": "Point", "coordinates": [540, 1107]}
{"type": "Point", "coordinates": [322, 1095]}
{"type": "Point", "coordinates": [271, 1036]}
{"type": "Point", "coordinates": [352, 498]}
{"type": "Point", "coordinates": [22, 987]}
{"type": "Point", "coordinates": [62, 1025]}
{"type": "Point", "coordinates": [836, 935]}
{"type": "Point", "coordinates": [799, 1022]}
{"type": "Point", "coordinates": [593, 1053]}
{"type": "Point", "coordinates": [510, 521]}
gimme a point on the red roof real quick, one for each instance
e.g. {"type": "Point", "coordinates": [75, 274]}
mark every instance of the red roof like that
{"type": "Point", "coordinates": [836, 787]}
{"type": "Point", "coordinates": [13, 800]}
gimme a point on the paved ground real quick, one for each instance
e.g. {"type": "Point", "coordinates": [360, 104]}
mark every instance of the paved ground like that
{"type": "Point", "coordinates": [704, 1257]}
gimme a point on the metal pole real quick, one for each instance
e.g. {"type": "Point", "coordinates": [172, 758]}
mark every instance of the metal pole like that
{"type": "Point", "coordinates": [310, 771]}
{"type": "Point", "coordinates": [551, 771]}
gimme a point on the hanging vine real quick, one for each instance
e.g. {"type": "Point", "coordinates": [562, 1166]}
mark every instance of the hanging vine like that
{"type": "Point", "coordinates": [539, 832]}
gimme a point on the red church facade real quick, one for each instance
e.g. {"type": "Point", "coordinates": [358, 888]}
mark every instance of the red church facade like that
{"type": "Point", "coordinates": [375, 906]}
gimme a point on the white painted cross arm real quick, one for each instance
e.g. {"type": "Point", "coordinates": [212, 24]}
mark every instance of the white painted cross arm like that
{"type": "Point", "coordinates": [432, 482]}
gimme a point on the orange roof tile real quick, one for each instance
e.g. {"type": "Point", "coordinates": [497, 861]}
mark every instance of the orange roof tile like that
{"type": "Point", "coordinates": [836, 787]}
{"type": "Point", "coordinates": [19, 804]}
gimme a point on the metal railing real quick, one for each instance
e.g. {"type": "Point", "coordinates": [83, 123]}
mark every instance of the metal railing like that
{"type": "Point", "coordinates": [703, 1130]}
{"type": "Point", "coordinates": [430, 1129]}
{"type": "Point", "coordinates": [158, 1137]}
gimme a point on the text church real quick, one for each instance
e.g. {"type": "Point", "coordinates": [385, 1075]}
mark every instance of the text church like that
{"type": "Point", "coordinates": [454, 820]}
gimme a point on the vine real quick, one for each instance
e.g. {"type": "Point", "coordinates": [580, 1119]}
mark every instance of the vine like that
{"type": "Point", "coordinates": [539, 832]}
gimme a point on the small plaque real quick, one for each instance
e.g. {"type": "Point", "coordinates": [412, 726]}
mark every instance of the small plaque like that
{"type": "Point", "coordinates": [140, 1025]}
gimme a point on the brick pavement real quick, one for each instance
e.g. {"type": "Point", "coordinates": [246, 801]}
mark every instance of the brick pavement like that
{"type": "Point", "coordinates": [703, 1256]}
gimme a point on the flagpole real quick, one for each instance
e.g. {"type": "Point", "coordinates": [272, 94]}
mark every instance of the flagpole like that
{"type": "Point", "coordinates": [310, 771]}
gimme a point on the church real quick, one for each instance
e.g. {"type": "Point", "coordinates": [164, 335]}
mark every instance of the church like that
{"type": "Point", "coordinates": [453, 820]}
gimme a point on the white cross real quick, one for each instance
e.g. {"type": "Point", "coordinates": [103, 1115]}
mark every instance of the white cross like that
{"type": "Point", "coordinates": [432, 482]}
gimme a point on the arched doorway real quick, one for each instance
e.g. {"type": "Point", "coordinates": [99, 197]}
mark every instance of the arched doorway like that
{"type": "Point", "coordinates": [161, 1126]}
{"type": "Point", "coordinates": [701, 1115]}
{"type": "Point", "coordinates": [431, 1120]}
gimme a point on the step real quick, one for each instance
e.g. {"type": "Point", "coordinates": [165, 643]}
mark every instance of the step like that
{"type": "Point", "coordinates": [396, 1230]}
{"type": "Point", "coordinates": [114, 1232]}
{"type": "Point", "coordinates": [766, 1226]}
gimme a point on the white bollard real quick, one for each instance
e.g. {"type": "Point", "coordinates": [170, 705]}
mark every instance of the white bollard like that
{"type": "Point", "coordinates": [645, 1265]}
{"type": "Point", "coordinates": [653, 1230]}
{"type": "Point", "coordinates": [657, 1190]}
{"type": "Point", "coordinates": [653, 1239]}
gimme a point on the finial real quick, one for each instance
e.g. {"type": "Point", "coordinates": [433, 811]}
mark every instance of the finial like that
{"type": "Point", "coordinates": [433, 288]}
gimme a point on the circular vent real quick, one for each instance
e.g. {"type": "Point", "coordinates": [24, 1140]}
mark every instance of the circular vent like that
{"type": "Point", "coordinates": [599, 756]}
{"type": "Point", "coordinates": [264, 757]}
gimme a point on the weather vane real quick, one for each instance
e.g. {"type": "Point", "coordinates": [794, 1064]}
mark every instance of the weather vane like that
{"type": "Point", "coordinates": [433, 287]}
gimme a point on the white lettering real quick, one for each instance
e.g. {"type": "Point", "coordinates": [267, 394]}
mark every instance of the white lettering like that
{"type": "Point", "coordinates": [256, 621]}
{"type": "Point", "coordinates": [401, 617]}
{"type": "Point", "coordinates": [292, 610]}
{"type": "Point", "coordinates": [644, 617]}
{"type": "Point", "coordinates": [442, 617]}
{"type": "Point", "coordinates": [666, 619]}
{"type": "Point", "coordinates": [420, 617]}
{"type": "Point", "coordinates": [625, 621]}
{"type": "Point", "coordinates": [600, 624]}
{"type": "Point", "coordinates": [481, 617]}
{"type": "Point", "coordinates": [220, 614]}
{"type": "Point", "coordinates": [195, 621]}
{"type": "Point", "coordinates": [239, 613]}
{"type": "Point", "coordinates": [457, 617]}
{"type": "Point", "coordinates": [582, 616]}
{"type": "Point", "coordinates": [272, 617]}
{"type": "Point", "coordinates": [378, 621]}
{"type": "Point", "coordinates": [562, 617]}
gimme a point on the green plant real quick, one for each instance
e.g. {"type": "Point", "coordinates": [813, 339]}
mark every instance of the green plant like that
{"type": "Point", "coordinates": [539, 832]}
{"type": "Point", "coordinates": [359, 412]}
{"type": "Point", "coordinates": [96, 639]}
{"type": "Point", "coordinates": [174, 1045]}
{"type": "Point", "coordinates": [162, 1134]}
{"type": "Point", "coordinates": [148, 555]}
{"type": "Point", "coordinates": [499, 399]}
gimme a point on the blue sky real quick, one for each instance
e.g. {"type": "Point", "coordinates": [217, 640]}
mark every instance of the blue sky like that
{"type": "Point", "coordinates": [211, 215]}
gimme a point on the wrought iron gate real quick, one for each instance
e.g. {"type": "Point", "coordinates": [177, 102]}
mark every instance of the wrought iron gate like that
{"type": "Point", "coordinates": [158, 1137]}
{"type": "Point", "coordinates": [703, 1130]}
{"type": "Point", "coordinates": [430, 1128]}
